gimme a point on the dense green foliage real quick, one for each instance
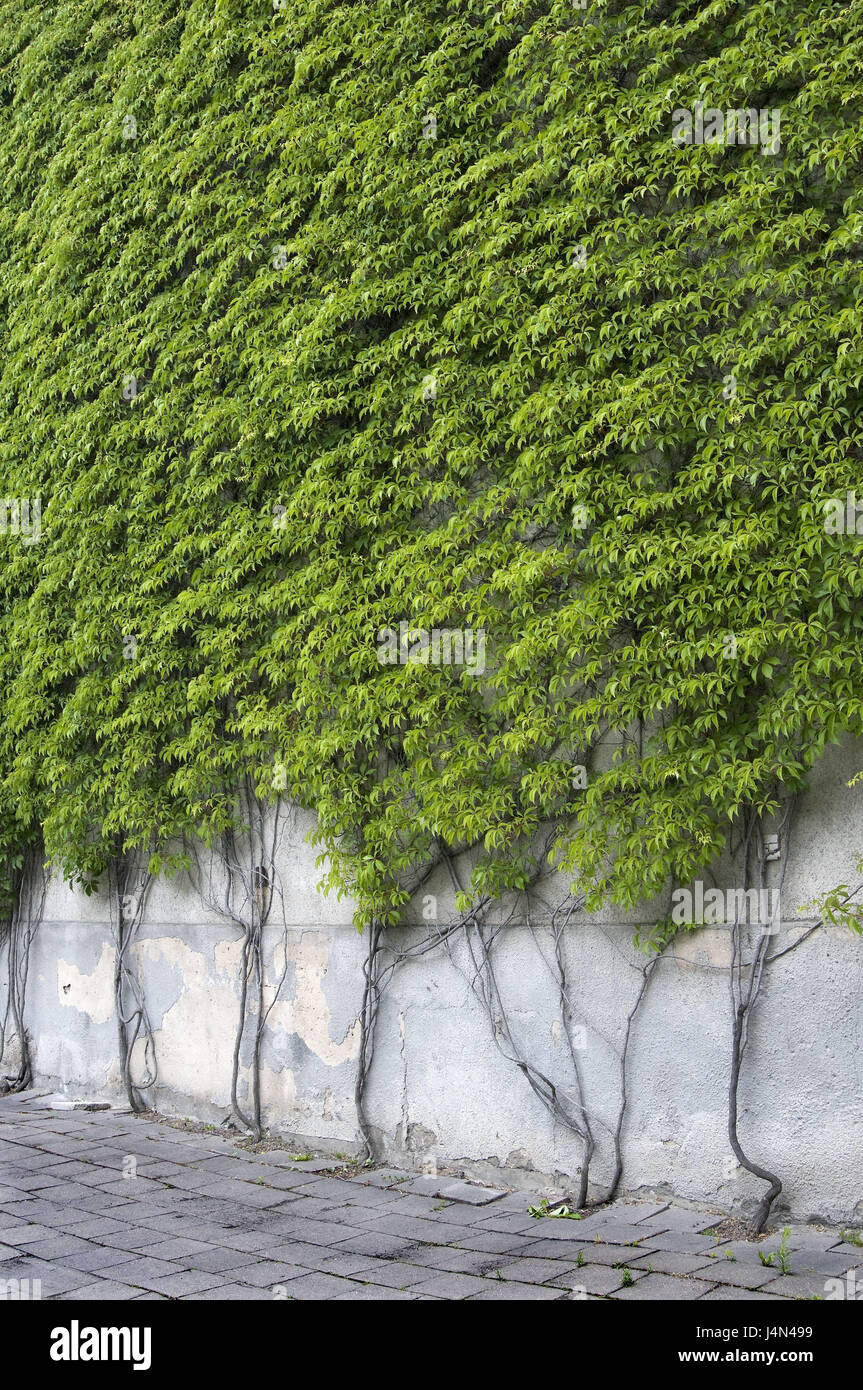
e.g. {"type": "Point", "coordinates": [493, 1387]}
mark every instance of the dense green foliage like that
{"type": "Point", "coordinates": [283, 251]}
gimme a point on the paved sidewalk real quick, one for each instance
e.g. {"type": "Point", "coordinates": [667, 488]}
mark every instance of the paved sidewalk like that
{"type": "Point", "coordinates": [108, 1205]}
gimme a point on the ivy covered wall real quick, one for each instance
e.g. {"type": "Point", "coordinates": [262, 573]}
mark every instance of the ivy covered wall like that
{"type": "Point", "coordinates": [321, 318]}
{"type": "Point", "coordinates": [403, 405]}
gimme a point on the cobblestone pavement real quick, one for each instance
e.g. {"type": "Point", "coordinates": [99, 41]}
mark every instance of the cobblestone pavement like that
{"type": "Point", "coordinates": [203, 1219]}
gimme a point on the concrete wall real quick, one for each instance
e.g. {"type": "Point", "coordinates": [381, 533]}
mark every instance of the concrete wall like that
{"type": "Point", "coordinates": [441, 1088]}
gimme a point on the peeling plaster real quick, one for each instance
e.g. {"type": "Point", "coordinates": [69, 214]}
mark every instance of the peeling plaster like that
{"type": "Point", "coordinates": [91, 994]}
{"type": "Point", "coordinates": [193, 1046]}
{"type": "Point", "coordinates": [308, 1013]}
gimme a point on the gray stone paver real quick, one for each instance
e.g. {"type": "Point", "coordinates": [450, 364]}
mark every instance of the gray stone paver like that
{"type": "Point", "coordinates": [318, 1286]}
{"type": "Point", "coordinates": [846, 1248]}
{"type": "Point", "coordinates": [454, 1261]}
{"type": "Point", "coordinates": [97, 1258]}
{"type": "Point", "coordinates": [798, 1286]}
{"type": "Point", "coordinates": [266, 1273]}
{"type": "Point", "coordinates": [385, 1177]}
{"type": "Point", "coordinates": [145, 1273]}
{"type": "Point", "coordinates": [214, 1261]}
{"type": "Point", "coordinates": [229, 1293]}
{"type": "Point", "coordinates": [319, 1232]}
{"type": "Point", "coordinates": [725, 1293]}
{"type": "Point", "coordinates": [133, 1240]}
{"type": "Point", "coordinates": [206, 1220]}
{"type": "Point", "coordinates": [20, 1234]}
{"type": "Point", "coordinates": [187, 1281]}
{"type": "Point", "coordinates": [231, 1190]}
{"type": "Point", "coordinates": [630, 1234]}
{"type": "Point", "coordinates": [54, 1278]}
{"type": "Point", "coordinates": [594, 1279]}
{"type": "Point", "coordinates": [370, 1196]}
{"type": "Point", "coordinates": [664, 1287]}
{"type": "Point", "coordinates": [742, 1276]}
{"type": "Point", "coordinates": [531, 1271]}
{"type": "Point", "coordinates": [746, 1252]}
{"type": "Point", "coordinates": [669, 1262]}
{"type": "Point", "coordinates": [495, 1243]}
{"type": "Point", "coordinates": [58, 1247]}
{"type": "Point", "coordinates": [105, 1288]}
{"type": "Point", "coordinates": [593, 1253]}
{"type": "Point", "coordinates": [322, 1262]}
{"type": "Point", "coordinates": [415, 1229]}
{"type": "Point", "coordinates": [393, 1275]}
{"type": "Point", "coordinates": [449, 1285]}
{"type": "Point", "coordinates": [91, 1227]}
{"type": "Point", "coordinates": [509, 1221]}
{"type": "Point", "coordinates": [316, 1209]}
{"type": "Point", "coordinates": [686, 1244]}
{"type": "Point", "coordinates": [377, 1292]}
{"type": "Point", "coordinates": [472, 1193]}
{"type": "Point", "coordinates": [826, 1262]}
{"type": "Point", "coordinates": [502, 1289]}
{"type": "Point", "coordinates": [176, 1249]}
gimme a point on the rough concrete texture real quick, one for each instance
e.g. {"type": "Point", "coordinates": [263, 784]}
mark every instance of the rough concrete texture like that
{"type": "Point", "coordinates": [442, 1089]}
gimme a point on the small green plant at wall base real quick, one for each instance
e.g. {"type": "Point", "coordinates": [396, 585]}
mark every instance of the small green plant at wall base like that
{"type": "Point", "coordinates": [546, 1208]}
{"type": "Point", "coordinates": [567, 1214]}
{"type": "Point", "coordinates": [781, 1258]}
{"type": "Point", "coordinates": [852, 1237]}
{"type": "Point", "coordinates": [784, 1253]}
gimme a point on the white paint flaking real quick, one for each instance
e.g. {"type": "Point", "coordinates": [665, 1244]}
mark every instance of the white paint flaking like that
{"type": "Point", "coordinates": [195, 1042]}
{"type": "Point", "coordinates": [91, 994]}
{"type": "Point", "coordinates": [308, 1013]}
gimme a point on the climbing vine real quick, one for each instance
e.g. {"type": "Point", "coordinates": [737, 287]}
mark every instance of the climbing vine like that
{"type": "Point", "coordinates": [28, 884]}
{"type": "Point", "coordinates": [239, 880]}
{"type": "Point", "coordinates": [129, 886]}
